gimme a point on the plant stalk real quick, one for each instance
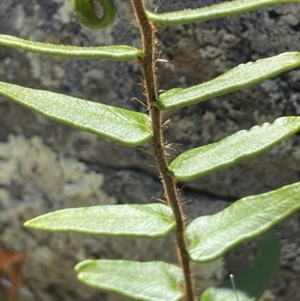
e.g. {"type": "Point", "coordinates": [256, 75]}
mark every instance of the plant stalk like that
{"type": "Point", "coordinates": [147, 63]}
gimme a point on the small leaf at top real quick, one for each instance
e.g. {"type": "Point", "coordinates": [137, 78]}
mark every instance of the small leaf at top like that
{"type": "Point", "coordinates": [242, 76]}
{"type": "Point", "coordinates": [212, 12]}
{"type": "Point", "coordinates": [207, 159]}
{"type": "Point", "coordinates": [85, 13]}
{"type": "Point", "coordinates": [123, 126]}
{"type": "Point", "coordinates": [150, 220]}
{"type": "Point", "coordinates": [251, 282]}
{"type": "Point", "coordinates": [115, 52]}
{"type": "Point", "coordinates": [148, 281]}
{"type": "Point", "coordinates": [209, 237]}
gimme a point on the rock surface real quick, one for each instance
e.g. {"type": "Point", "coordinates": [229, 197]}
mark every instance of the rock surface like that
{"type": "Point", "coordinates": [45, 166]}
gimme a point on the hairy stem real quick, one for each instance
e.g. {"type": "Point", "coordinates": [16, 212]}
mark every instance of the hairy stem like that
{"type": "Point", "coordinates": [169, 184]}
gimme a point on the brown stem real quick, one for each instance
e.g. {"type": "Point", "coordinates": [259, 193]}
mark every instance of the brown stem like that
{"type": "Point", "coordinates": [147, 63]}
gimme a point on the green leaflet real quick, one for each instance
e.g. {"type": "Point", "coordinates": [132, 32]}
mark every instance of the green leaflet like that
{"type": "Point", "coordinates": [123, 126]}
{"type": "Point", "coordinates": [216, 11]}
{"type": "Point", "coordinates": [148, 281]}
{"type": "Point", "coordinates": [253, 280]}
{"type": "Point", "coordinates": [117, 52]}
{"type": "Point", "coordinates": [242, 76]}
{"type": "Point", "coordinates": [85, 13]}
{"type": "Point", "coordinates": [209, 237]}
{"type": "Point", "coordinates": [151, 220]}
{"type": "Point", "coordinates": [207, 159]}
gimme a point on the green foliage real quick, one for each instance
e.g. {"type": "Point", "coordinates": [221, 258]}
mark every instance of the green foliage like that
{"type": "Point", "coordinates": [86, 15]}
{"type": "Point", "coordinates": [242, 76]}
{"type": "Point", "coordinates": [120, 125]}
{"type": "Point", "coordinates": [153, 220]}
{"type": "Point", "coordinates": [253, 280]}
{"type": "Point", "coordinates": [209, 237]}
{"type": "Point", "coordinates": [149, 281]}
{"type": "Point", "coordinates": [116, 52]}
{"type": "Point", "coordinates": [221, 10]}
{"type": "Point", "coordinates": [206, 238]}
{"type": "Point", "coordinates": [207, 159]}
